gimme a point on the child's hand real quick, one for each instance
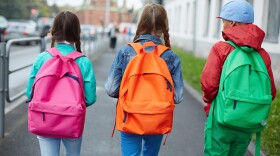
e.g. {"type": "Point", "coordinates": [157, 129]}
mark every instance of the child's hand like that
{"type": "Point", "coordinates": [207, 109]}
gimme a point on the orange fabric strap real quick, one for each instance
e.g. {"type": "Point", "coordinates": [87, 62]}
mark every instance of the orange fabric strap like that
{"type": "Point", "coordinates": [138, 46]}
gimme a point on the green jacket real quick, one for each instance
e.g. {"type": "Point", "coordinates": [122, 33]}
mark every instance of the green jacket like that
{"type": "Point", "coordinates": [84, 63]}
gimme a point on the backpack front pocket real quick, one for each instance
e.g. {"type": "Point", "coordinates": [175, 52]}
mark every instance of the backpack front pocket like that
{"type": "Point", "coordinates": [54, 120]}
{"type": "Point", "coordinates": [148, 118]}
{"type": "Point", "coordinates": [245, 111]}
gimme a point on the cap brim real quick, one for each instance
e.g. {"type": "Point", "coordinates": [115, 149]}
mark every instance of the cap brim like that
{"type": "Point", "coordinates": [219, 17]}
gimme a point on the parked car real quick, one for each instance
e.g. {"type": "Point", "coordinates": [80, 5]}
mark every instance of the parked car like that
{"type": "Point", "coordinates": [21, 29]}
{"type": "Point", "coordinates": [44, 25]}
{"type": "Point", "coordinates": [3, 26]}
{"type": "Point", "coordinates": [88, 32]}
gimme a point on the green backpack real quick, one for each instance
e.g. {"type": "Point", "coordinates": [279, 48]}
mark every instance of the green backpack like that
{"type": "Point", "coordinates": [244, 97]}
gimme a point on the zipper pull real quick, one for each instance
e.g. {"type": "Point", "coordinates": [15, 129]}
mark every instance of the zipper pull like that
{"type": "Point", "coordinates": [124, 118]}
{"type": "Point", "coordinates": [43, 116]}
{"type": "Point", "coordinates": [234, 104]}
{"type": "Point", "coordinates": [169, 86]}
{"type": "Point", "coordinates": [250, 70]}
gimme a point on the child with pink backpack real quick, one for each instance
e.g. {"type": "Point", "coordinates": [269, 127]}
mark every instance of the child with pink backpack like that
{"type": "Point", "coordinates": [60, 87]}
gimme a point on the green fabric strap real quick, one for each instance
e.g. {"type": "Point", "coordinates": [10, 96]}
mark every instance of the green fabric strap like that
{"type": "Point", "coordinates": [233, 44]}
{"type": "Point", "coordinates": [209, 127]}
{"type": "Point", "coordinates": [258, 144]}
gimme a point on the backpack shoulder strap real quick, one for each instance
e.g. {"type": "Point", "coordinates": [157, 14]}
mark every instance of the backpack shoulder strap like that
{"type": "Point", "coordinates": [233, 44]}
{"type": "Point", "coordinates": [75, 54]}
{"type": "Point", "coordinates": [54, 52]}
{"type": "Point", "coordinates": [136, 46]}
{"type": "Point", "coordinates": [162, 49]}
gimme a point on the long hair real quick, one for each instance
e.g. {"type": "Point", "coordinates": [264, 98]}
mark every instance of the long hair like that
{"type": "Point", "coordinates": [153, 21]}
{"type": "Point", "coordinates": [66, 26]}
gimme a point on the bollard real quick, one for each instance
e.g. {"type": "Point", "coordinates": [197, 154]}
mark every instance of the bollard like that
{"type": "Point", "coordinates": [2, 88]}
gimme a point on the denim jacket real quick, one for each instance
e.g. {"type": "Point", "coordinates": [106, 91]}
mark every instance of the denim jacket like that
{"type": "Point", "coordinates": [126, 53]}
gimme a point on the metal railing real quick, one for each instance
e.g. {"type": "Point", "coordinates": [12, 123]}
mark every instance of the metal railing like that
{"type": "Point", "coordinates": [89, 48]}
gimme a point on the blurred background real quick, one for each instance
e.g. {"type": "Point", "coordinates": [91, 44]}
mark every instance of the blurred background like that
{"type": "Point", "coordinates": [193, 29]}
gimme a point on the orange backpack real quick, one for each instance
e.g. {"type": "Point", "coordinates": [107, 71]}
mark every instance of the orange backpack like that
{"type": "Point", "coordinates": [146, 96]}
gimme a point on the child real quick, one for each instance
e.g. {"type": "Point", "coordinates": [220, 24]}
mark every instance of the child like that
{"type": "Point", "coordinates": [237, 17]}
{"type": "Point", "coordinates": [66, 39]}
{"type": "Point", "coordinates": [151, 26]}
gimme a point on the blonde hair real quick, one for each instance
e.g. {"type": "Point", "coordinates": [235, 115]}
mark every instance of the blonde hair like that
{"type": "Point", "coordinates": [153, 21]}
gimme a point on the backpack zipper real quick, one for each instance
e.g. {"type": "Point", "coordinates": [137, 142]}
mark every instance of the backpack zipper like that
{"type": "Point", "coordinates": [43, 116]}
{"type": "Point", "coordinates": [250, 69]}
{"type": "Point", "coordinates": [234, 104]}
{"type": "Point", "coordinates": [169, 86]}
{"type": "Point", "coordinates": [124, 118]}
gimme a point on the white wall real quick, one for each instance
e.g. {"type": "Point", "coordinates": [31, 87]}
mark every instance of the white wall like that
{"type": "Point", "coordinates": [197, 38]}
{"type": "Point", "coordinates": [201, 35]}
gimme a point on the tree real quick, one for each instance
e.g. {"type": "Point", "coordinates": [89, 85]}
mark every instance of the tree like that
{"type": "Point", "coordinates": [21, 9]}
{"type": "Point", "coordinates": [13, 9]}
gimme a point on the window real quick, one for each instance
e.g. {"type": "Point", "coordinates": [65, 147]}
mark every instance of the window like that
{"type": "Point", "coordinates": [273, 21]}
{"type": "Point", "coordinates": [218, 28]}
{"type": "Point", "coordinates": [179, 21]}
{"type": "Point", "coordinates": [187, 17]}
{"type": "Point", "coordinates": [207, 15]}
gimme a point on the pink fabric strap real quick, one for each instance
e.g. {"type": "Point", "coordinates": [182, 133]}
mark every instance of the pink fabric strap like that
{"type": "Point", "coordinates": [74, 55]}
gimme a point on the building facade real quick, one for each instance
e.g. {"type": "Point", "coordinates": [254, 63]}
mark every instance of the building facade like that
{"type": "Point", "coordinates": [103, 12]}
{"type": "Point", "coordinates": [194, 26]}
{"type": "Point", "coordinates": [194, 22]}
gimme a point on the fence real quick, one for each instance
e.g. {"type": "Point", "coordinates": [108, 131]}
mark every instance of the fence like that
{"type": "Point", "coordinates": [89, 47]}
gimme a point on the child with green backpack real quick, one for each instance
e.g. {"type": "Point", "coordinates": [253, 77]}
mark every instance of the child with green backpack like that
{"type": "Point", "coordinates": [237, 83]}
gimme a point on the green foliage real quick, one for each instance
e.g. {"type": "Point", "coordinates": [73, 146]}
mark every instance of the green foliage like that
{"type": "Point", "coordinates": [271, 135]}
{"type": "Point", "coordinates": [192, 67]}
{"type": "Point", "coordinates": [13, 9]}
{"type": "Point", "coordinates": [21, 9]}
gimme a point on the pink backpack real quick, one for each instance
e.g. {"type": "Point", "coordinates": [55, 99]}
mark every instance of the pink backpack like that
{"type": "Point", "coordinates": [57, 107]}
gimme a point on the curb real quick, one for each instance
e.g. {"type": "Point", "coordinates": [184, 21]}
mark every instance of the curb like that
{"type": "Point", "coordinates": [197, 96]}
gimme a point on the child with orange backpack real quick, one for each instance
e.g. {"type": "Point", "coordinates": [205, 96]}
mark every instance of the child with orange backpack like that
{"type": "Point", "coordinates": [60, 87]}
{"type": "Point", "coordinates": [146, 78]}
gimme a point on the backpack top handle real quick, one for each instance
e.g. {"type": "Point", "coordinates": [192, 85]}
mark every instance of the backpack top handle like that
{"type": "Point", "coordinates": [139, 48]}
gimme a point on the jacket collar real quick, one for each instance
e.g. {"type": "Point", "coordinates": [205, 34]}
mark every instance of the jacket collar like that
{"type": "Point", "coordinates": [148, 37]}
{"type": "Point", "coordinates": [245, 35]}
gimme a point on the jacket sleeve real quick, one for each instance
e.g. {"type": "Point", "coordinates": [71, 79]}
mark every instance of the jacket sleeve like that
{"type": "Point", "coordinates": [273, 87]}
{"type": "Point", "coordinates": [41, 58]}
{"type": "Point", "coordinates": [112, 85]}
{"type": "Point", "coordinates": [32, 75]}
{"type": "Point", "coordinates": [177, 77]}
{"type": "Point", "coordinates": [267, 61]}
{"type": "Point", "coordinates": [210, 76]}
{"type": "Point", "coordinates": [89, 82]}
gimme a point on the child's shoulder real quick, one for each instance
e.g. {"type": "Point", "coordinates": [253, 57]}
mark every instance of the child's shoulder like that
{"type": "Point", "coordinates": [222, 45]}
{"type": "Point", "coordinates": [125, 50]}
{"type": "Point", "coordinates": [43, 56]}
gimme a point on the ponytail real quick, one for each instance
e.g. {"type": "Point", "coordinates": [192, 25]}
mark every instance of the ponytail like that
{"type": "Point", "coordinates": [78, 46]}
{"type": "Point", "coordinates": [52, 44]}
{"type": "Point", "coordinates": [137, 35]}
{"type": "Point", "coordinates": [166, 38]}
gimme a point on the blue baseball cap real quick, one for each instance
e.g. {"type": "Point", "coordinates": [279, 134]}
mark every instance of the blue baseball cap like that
{"type": "Point", "coordinates": [237, 11]}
